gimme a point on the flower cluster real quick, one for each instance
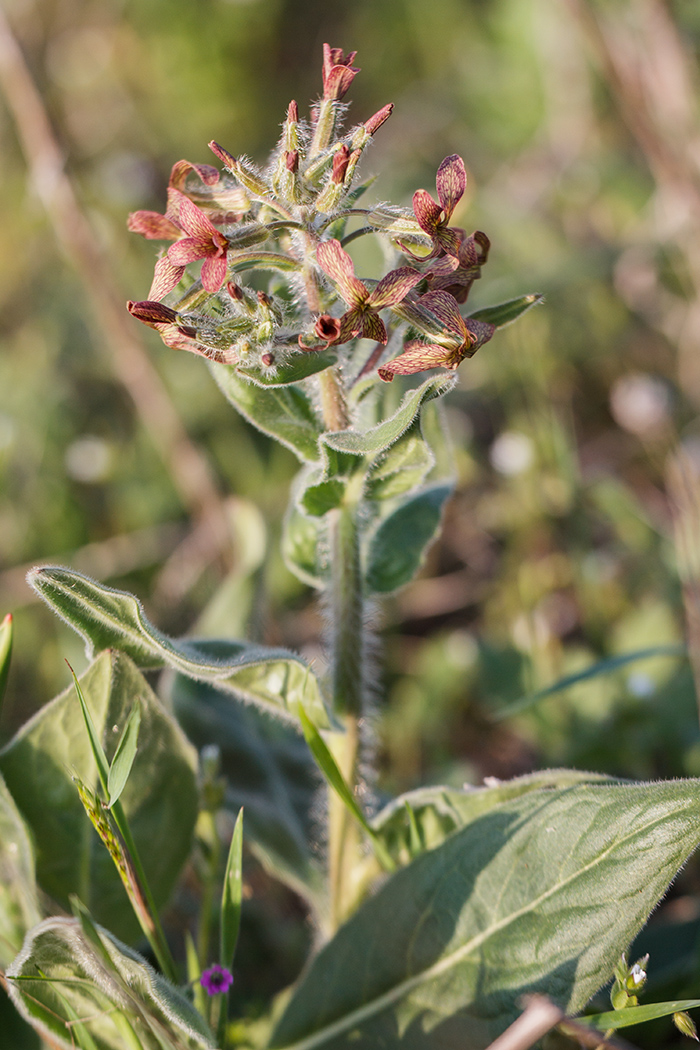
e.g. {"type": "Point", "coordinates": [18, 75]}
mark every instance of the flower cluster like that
{"type": "Point", "coordinates": [289, 221]}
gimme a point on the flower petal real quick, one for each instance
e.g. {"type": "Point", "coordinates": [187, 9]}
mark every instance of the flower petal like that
{"type": "Point", "coordinates": [451, 183]}
{"type": "Point", "coordinates": [213, 272]}
{"type": "Point", "coordinates": [445, 308]}
{"type": "Point", "coordinates": [373, 327]}
{"type": "Point", "coordinates": [165, 277]}
{"type": "Point", "coordinates": [182, 168]}
{"type": "Point", "coordinates": [189, 249]}
{"type": "Point", "coordinates": [153, 226]}
{"type": "Point", "coordinates": [394, 287]}
{"type": "Point", "coordinates": [480, 332]}
{"type": "Point", "coordinates": [418, 357]}
{"type": "Point", "coordinates": [426, 211]}
{"type": "Point", "coordinates": [340, 268]}
{"type": "Point", "coordinates": [192, 219]}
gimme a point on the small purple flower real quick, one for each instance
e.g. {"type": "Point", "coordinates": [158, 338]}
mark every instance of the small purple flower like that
{"type": "Point", "coordinates": [216, 979]}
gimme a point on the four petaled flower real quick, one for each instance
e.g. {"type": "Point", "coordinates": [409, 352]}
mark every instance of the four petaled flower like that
{"type": "Point", "coordinates": [462, 338]}
{"type": "Point", "coordinates": [204, 242]}
{"type": "Point", "coordinates": [338, 72]}
{"type": "Point", "coordinates": [363, 318]}
{"type": "Point", "coordinates": [434, 218]}
{"type": "Point", "coordinates": [216, 979]}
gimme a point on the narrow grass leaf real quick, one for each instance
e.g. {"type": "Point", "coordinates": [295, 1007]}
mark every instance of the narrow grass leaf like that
{"type": "Point", "coordinates": [232, 896]}
{"type": "Point", "coordinates": [124, 756]}
{"type": "Point", "coordinates": [637, 1014]}
{"type": "Point", "coordinates": [95, 743]}
{"type": "Point", "coordinates": [602, 667]}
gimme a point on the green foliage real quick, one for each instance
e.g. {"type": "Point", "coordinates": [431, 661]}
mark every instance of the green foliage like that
{"type": "Point", "coordinates": [103, 616]}
{"type": "Point", "coordinates": [96, 990]}
{"type": "Point", "coordinates": [19, 906]}
{"type": "Point", "coordinates": [533, 896]}
{"type": "Point", "coordinates": [159, 798]}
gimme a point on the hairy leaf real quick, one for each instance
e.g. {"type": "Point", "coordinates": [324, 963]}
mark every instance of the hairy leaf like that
{"type": "Point", "coordinates": [293, 369]}
{"type": "Point", "coordinates": [19, 909]}
{"type": "Point", "coordinates": [422, 819]}
{"type": "Point", "coordinates": [381, 437]}
{"type": "Point", "coordinates": [403, 467]}
{"type": "Point", "coordinates": [274, 678]}
{"type": "Point", "coordinates": [100, 995]}
{"type": "Point", "coordinates": [269, 772]}
{"type": "Point", "coordinates": [541, 894]}
{"type": "Point", "coordinates": [284, 413]}
{"type": "Point", "coordinates": [505, 313]}
{"type": "Point", "coordinates": [304, 543]}
{"type": "Point", "coordinates": [399, 544]}
{"type": "Point", "coordinates": [159, 798]}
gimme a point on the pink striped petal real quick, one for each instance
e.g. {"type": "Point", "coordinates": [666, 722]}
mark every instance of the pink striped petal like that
{"type": "Point", "coordinates": [189, 249]}
{"type": "Point", "coordinates": [445, 308]}
{"type": "Point", "coordinates": [153, 226]}
{"type": "Point", "coordinates": [426, 211]}
{"type": "Point", "coordinates": [451, 183]}
{"type": "Point", "coordinates": [373, 327]}
{"type": "Point", "coordinates": [165, 277]}
{"type": "Point", "coordinates": [213, 272]}
{"type": "Point", "coordinates": [394, 287]}
{"type": "Point", "coordinates": [340, 268]}
{"type": "Point", "coordinates": [192, 219]}
{"type": "Point", "coordinates": [418, 357]}
{"type": "Point", "coordinates": [182, 168]}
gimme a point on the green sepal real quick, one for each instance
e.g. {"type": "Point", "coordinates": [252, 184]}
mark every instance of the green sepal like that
{"type": "Point", "coordinates": [502, 314]}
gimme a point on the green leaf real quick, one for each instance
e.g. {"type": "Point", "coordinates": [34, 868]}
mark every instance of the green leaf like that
{"type": "Point", "coordinates": [124, 756]}
{"type": "Point", "coordinates": [232, 896]}
{"type": "Point", "coordinates": [422, 819]}
{"type": "Point", "coordinates": [318, 499]}
{"type": "Point", "coordinates": [63, 983]}
{"type": "Point", "coordinates": [381, 437]}
{"type": "Point", "coordinates": [637, 1014]}
{"type": "Point", "coordinates": [297, 367]}
{"type": "Point", "coordinates": [505, 313]}
{"type": "Point", "coordinates": [303, 543]}
{"type": "Point", "coordinates": [5, 652]}
{"type": "Point", "coordinates": [284, 413]}
{"type": "Point", "coordinates": [274, 678]}
{"type": "Point", "coordinates": [403, 468]}
{"type": "Point", "coordinates": [541, 894]}
{"type": "Point", "coordinates": [269, 772]}
{"type": "Point", "coordinates": [19, 908]}
{"type": "Point", "coordinates": [399, 544]}
{"type": "Point", "coordinates": [160, 797]}
{"type": "Point", "coordinates": [601, 667]}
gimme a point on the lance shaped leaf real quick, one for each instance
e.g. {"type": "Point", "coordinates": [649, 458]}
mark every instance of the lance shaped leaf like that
{"type": "Point", "coordinates": [159, 798]}
{"type": "Point", "coordinates": [505, 313]}
{"type": "Point", "coordinates": [100, 995]}
{"type": "Point", "coordinates": [403, 468]}
{"type": "Point", "coordinates": [284, 413]}
{"type": "Point", "coordinates": [19, 909]}
{"type": "Point", "coordinates": [274, 678]}
{"type": "Point", "coordinates": [269, 773]}
{"type": "Point", "coordinates": [381, 437]}
{"type": "Point", "coordinates": [399, 544]}
{"type": "Point", "coordinates": [540, 895]}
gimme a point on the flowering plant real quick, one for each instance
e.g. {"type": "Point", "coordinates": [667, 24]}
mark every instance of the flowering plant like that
{"type": "Point", "coordinates": [434, 913]}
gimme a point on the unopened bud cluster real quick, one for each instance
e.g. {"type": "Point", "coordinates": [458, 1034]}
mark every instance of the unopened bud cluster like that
{"type": "Point", "coordinates": [286, 225]}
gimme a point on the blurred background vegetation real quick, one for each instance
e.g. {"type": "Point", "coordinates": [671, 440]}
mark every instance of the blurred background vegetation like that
{"type": "Point", "coordinates": [574, 536]}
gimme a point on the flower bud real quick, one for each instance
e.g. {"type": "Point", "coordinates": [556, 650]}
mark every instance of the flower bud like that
{"type": "Point", "coordinates": [268, 359]}
{"type": "Point", "coordinates": [327, 328]}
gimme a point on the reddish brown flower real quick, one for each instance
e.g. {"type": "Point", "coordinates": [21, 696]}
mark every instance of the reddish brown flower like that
{"type": "Point", "coordinates": [462, 338]}
{"type": "Point", "coordinates": [363, 318]}
{"type": "Point", "coordinates": [338, 72]}
{"type": "Point", "coordinates": [456, 274]}
{"type": "Point", "coordinates": [204, 242]}
{"type": "Point", "coordinates": [434, 218]}
{"type": "Point", "coordinates": [157, 227]}
{"type": "Point", "coordinates": [167, 323]}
